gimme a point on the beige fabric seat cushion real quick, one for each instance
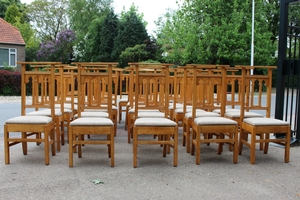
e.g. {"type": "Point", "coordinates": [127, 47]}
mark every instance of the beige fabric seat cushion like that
{"type": "Point", "coordinates": [29, 120]}
{"type": "Point", "coordinates": [214, 121]}
{"type": "Point", "coordinates": [92, 114]}
{"type": "Point", "coordinates": [234, 114]}
{"type": "Point", "coordinates": [265, 122]}
{"type": "Point", "coordinates": [123, 100]}
{"type": "Point", "coordinates": [180, 110]}
{"type": "Point", "coordinates": [201, 114]}
{"type": "Point", "coordinates": [141, 110]}
{"type": "Point", "coordinates": [92, 121]}
{"type": "Point", "coordinates": [67, 106]}
{"type": "Point", "coordinates": [178, 105]}
{"type": "Point", "coordinates": [46, 112]}
{"type": "Point", "coordinates": [227, 110]}
{"type": "Point", "coordinates": [151, 114]}
{"type": "Point", "coordinates": [161, 122]}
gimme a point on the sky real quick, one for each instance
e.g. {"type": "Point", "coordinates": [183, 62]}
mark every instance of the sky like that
{"type": "Point", "coordinates": [152, 9]}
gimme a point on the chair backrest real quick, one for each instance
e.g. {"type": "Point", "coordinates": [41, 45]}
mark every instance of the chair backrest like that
{"type": "Point", "coordinates": [151, 87]}
{"type": "Point", "coordinates": [258, 88]}
{"type": "Point", "coordinates": [95, 83]}
{"type": "Point", "coordinates": [206, 85]}
{"type": "Point", "coordinates": [38, 80]}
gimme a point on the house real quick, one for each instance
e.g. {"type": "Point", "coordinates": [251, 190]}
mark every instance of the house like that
{"type": "Point", "coordinates": [12, 45]}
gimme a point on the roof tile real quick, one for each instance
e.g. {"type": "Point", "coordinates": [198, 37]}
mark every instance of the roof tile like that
{"type": "Point", "coordinates": [10, 34]}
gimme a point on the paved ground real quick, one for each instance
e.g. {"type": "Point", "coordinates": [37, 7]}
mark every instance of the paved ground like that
{"type": "Point", "coordinates": [155, 178]}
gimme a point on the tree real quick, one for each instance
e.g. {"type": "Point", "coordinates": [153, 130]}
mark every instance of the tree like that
{"type": "Point", "coordinates": [58, 50]}
{"type": "Point", "coordinates": [137, 53]}
{"type": "Point", "coordinates": [131, 32]}
{"type": "Point", "coordinates": [82, 14]}
{"type": "Point", "coordinates": [12, 13]}
{"type": "Point", "coordinates": [48, 17]}
{"type": "Point", "coordinates": [100, 39]}
{"type": "Point", "coordinates": [216, 32]}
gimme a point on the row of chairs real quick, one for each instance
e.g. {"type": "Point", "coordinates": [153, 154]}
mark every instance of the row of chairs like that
{"type": "Point", "coordinates": [83, 99]}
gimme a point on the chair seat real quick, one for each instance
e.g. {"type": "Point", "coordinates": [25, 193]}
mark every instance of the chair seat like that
{"type": "Point", "coordinates": [67, 106]}
{"type": "Point", "coordinates": [46, 112]}
{"type": "Point", "coordinates": [178, 105]}
{"type": "Point", "coordinates": [265, 122]}
{"type": "Point", "coordinates": [151, 114]}
{"type": "Point", "coordinates": [93, 114]}
{"type": "Point", "coordinates": [104, 109]}
{"type": "Point", "coordinates": [124, 100]}
{"type": "Point", "coordinates": [235, 114]}
{"type": "Point", "coordinates": [92, 121]}
{"type": "Point", "coordinates": [201, 114]}
{"type": "Point", "coordinates": [227, 110]}
{"type": "Point", "coordinates": [218, 121]}
{"type": "Point", "coordinates": [141, 110]}
{"type": "Point", "coordinates": [154, 122]}
{"type": "Point", "coordinates": [180, 110]}
{"type": "Point", "coordinates": [29, 120]}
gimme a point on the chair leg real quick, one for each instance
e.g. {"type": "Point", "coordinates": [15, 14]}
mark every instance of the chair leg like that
{"type": "Point", "coordinates": [24, 144]}
{"type": "Point", "coordinates": [135, 140]}
{"type": "Point", "coordinates": [266, 144]}
{"type": "Point", "coordinates": [287, 147]}
{"type": "Point", "coordinates": [175, 150]}
{"type": "Point", "coordinates": [112, 148]}
{"type": "Point", "coordinates": [6, 146]}
{"type": "Point", "coordinates": [46, 147]}
{"type": "Point", "coordinates": [70, 147]}
{"type": "Point", "coordinates": [198, 148]}
{"type": "Point", "coordinates": [252, 148]}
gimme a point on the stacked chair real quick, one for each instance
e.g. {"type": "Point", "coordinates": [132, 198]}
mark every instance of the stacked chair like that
{"type": "Point", "coordinates": [41, 84]}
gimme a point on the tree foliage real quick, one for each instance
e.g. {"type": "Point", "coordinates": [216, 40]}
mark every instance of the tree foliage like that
{"type": "Point", "coordinates": [82, 14]}
{"type": "Point", "coordinates": [216, 32]}
{"type": "Point", "coordinates": [58, 50]}
{"type": "Point", "coordinates": [49, 17]}
{"type": "Point", "coordinates": [131, 32]}
{"type": "Point", "coordinates": [100, 39]}
{"type": "Point", "coordinates": [12, 13]}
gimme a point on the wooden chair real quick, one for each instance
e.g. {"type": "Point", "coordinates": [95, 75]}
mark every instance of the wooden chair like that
{"type": "Point", "coordinates": [90, 80]}
{"type": "Point", "coordinates": [225, 130]}
{"type": "Point", "coordinates": [40, 126]}
{"type": "Point", "coordinates": [156, 94]}
{"type": "Point", "coordinates": [260, 129]}
{"type": "Point", "coordinates": [41, 101]}
{"type": "Point", "coordinates": [143, 98]}
{"type": "Point", "coordinates": [208, 99]}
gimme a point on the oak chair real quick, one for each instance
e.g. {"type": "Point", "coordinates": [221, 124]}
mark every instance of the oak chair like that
{"type": "Point", "coordinates": [156, 94]}
{"type": "Point", "coordinates": [94, 92]}
{"type": "Point", "coordinates": [260, 129]}
{"type": "Point", "coordinates": [212, 129]}
{"type": "Point", "coordinates": [42, 127]}
{"type": "Point", "coordinates": [41, 104]}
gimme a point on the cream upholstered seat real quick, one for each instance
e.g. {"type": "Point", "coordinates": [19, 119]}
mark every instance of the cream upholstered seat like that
{"type": "Point", "coordinates": [164, 128]}
{"type": "Point", "coordinates": [41, 126]}
{"type": "Point", "coordinates": [187, 125]}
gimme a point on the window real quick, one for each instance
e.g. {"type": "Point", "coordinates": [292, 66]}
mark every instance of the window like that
{"type": "Point", "coordinates": [8, 57]}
